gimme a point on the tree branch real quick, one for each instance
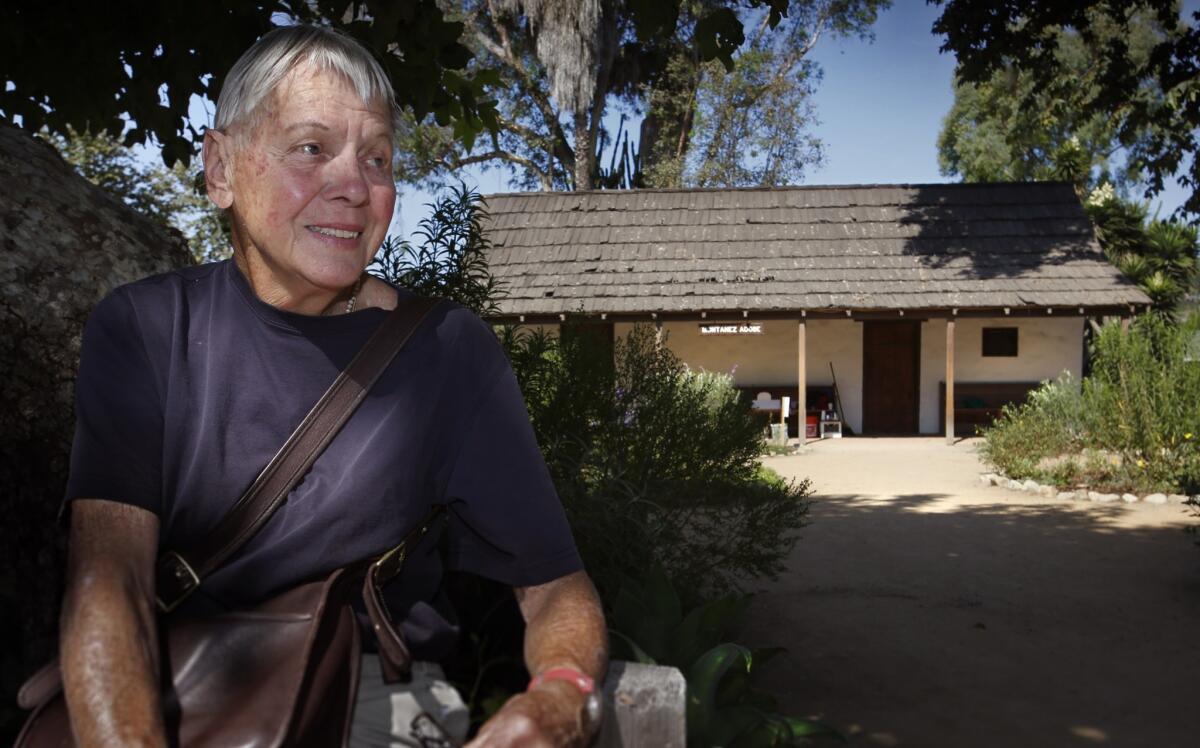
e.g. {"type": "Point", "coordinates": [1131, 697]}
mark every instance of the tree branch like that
{"type": "Point", "coordinates": [562, 147]}
{"type": "Point", "coordinates": [456, 162]}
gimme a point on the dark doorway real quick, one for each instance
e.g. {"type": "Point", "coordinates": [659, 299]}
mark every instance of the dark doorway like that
{"type": "Point", "coordinates": [891, 376]}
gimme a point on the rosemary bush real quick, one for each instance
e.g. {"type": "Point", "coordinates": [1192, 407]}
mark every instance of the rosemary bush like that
{"type": "Point", "coordinates": [656, 464]}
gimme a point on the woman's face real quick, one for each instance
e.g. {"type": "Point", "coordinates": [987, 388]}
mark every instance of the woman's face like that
{"type": "Point", "coordinates": [312, 190]}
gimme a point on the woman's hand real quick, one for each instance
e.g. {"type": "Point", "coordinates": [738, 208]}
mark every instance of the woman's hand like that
{"type": "Point", "coordinates": [548, 716]}
{"type": "Point", "coordinates": [564, 627]}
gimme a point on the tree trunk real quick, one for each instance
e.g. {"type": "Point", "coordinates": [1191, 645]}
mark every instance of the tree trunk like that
{"type": "Point", "coordinates": [585, 153]}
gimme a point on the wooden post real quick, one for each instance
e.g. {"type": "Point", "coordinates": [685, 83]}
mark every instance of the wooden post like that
{"type": "Point", "coordinates": [802, 383]}
{"type": "Point", "coordinates": [950, 381]}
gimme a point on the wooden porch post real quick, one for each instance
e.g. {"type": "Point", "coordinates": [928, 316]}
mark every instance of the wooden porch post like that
{"type": "Point", "coordinates": [950, 381]}
{"type": "Point", "coordinates": [802, 380]}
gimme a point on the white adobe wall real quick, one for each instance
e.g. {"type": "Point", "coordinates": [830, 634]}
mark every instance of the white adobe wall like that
{"type": "Point", "coordinates": [770, 359]}
{"type": "Point", "coordinates": [1046, 346]}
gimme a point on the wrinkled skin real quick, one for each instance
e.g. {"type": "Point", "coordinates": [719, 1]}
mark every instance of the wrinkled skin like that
{"type": "Point", "coordinates": [316, 160]}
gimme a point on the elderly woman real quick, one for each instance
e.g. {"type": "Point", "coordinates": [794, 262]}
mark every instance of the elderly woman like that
{"type": "Point", "coordinates": [190, 381]}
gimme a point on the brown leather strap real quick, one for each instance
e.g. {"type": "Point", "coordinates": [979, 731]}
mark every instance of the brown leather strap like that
{"type": "Point", "coordinates": [181, 571]}
{"type": "Point", "coordinates": [394, 658]}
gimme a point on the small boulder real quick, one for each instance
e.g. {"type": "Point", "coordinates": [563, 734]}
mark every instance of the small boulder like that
{"type": "Point", "coordinates": [1155, 498]}
{"type": "Point", "coordinates": [1129, 498]}
{"type": "Point", "coordinates": [986, 479]}
{"type": "Point", "coordinates": [1102, 498]}
{"type": "Point", "coordinates": [1014, 485]}
{"type": "Point", "coordinates": [999, 480]}
{"type": "Point", "coordinates": [1030, 485]}
{"type": "Point", "coordinates": [1065, 496]}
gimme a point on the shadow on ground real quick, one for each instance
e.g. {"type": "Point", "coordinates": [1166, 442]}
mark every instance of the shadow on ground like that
{"type": "Point", "coordinates": [934, 620]}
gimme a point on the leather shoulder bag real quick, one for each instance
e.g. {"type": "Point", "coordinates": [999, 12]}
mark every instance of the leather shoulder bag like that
{"type": "Point", "coordinates": [286, 671]}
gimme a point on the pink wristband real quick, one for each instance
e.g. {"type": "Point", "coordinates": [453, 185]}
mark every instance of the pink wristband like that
{"type": "Point", "coordinates": [569, 674]}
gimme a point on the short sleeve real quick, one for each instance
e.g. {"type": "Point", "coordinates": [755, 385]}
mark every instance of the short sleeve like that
{"type": "Point", "coordinates": [117, 451]}
{"type": "Point", "coordinates": [507, 522]}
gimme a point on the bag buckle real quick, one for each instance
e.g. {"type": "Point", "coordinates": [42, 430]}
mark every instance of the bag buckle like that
{"type": "Point", "coordinates": [174, 582]}
{"type": "Point", "coordinates": [388, 566]}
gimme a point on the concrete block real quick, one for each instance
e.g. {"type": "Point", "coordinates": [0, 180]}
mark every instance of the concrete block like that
{"type": "Point", "coordinates": [644, 707]}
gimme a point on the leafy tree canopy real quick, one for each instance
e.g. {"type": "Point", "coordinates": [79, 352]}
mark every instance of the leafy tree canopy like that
{"type": "Point", "coordinates": [1150, 96]}
{"type": "Point", "coordinates": [146, 59]}
{"type": "Point", "coordinates": [564, 65]}
{"type": "Point", "coordinates": [992, 133]}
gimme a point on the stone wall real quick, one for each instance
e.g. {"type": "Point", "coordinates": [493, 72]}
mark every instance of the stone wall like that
{"type": "Point", "coordinates": [65, 244]}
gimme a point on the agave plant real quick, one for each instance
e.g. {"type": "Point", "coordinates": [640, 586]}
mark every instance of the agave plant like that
{"type": "Point", "coordinates": [1160, 256]}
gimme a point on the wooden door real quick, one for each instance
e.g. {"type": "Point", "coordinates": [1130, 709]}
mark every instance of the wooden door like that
{"type": "Point", "coordinates": [891, 376]}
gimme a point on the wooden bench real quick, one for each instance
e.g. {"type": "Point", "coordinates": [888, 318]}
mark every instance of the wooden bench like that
{"type": "Point", "coordinates": [977, 404]}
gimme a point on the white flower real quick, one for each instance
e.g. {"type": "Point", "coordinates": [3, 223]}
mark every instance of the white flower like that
{"type": "Point", "coordinates": [1101, 195]}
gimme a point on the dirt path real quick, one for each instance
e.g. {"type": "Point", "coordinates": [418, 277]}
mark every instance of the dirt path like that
{"type": "Point", "coordinates": [922, 608]}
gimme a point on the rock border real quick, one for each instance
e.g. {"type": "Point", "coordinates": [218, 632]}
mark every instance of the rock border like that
{"type": "Point", "coordinates": [1051, 492]}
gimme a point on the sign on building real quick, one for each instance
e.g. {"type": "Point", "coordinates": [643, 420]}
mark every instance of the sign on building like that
{"type": "Point", "coordinates": [735, 328]}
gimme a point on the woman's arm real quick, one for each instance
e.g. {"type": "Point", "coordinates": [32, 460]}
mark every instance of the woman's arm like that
{"type": "Point", "coordinates": [564, 627]}
{"type": "Point", "coordinates": [109, 640]}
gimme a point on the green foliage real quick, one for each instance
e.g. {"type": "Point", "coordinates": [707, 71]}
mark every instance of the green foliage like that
{"type": "Point", "coordinates": [1006, 128]}
{"type": "Point", "coordinates": [449, 259]}
{"type": "Point", "coordinates": [146, 60]}
{"type": "Point", "coordinates": [648, 625]}
{"type": "Point", "coordinates": [1133, 425]}
{"type": "Point", "coordinates": [658, 463]}
{"type": "Point", "coordinates": [1149, 97]}
{"type": "Point", "coordinates": [1160, 256]}
{"type": "Point", "coordinates": [169, 196]}
{"type": "Point", "coordinates": [1046, 426]}
{"type": "Point", "coordinates": [752, 124]}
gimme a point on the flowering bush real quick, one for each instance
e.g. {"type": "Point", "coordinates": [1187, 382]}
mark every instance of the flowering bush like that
{"type": "Point", "coordinates": [1133, 425]}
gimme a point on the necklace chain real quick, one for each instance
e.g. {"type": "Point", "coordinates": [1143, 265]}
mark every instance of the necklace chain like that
{"type": "Point", "coordinates": [354, 296]}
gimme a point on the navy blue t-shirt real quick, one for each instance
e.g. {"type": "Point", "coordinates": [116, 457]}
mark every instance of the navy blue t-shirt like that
{"type": "Point", "coordinates": [189, 384]}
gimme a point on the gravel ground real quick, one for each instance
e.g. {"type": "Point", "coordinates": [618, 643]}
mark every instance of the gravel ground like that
{"type": "Point", "coordinates": [921, 608]}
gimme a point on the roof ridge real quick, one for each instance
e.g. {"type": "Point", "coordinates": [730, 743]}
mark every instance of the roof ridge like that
{"type": "Point", "coordinates": [779, 188]}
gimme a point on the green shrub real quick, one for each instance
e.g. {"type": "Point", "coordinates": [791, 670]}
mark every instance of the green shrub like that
{"type": "Point", "coordinates": [1045, 426]}
{"type": "Point", "coordinates": [1142, 402]}
{"type": "Point", "coordinates": [656, 464]}
{"type": "Point", "coordinates": [1133, 425]}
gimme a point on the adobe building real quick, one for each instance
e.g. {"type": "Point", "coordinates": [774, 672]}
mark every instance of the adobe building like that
{"type": "Point", "coordinates": [911, 296]}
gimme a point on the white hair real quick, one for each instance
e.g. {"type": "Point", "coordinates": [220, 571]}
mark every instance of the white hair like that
{"type": "Point", "coordinates": [254, 77]}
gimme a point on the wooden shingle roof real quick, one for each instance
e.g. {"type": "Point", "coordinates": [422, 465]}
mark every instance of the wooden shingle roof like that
{"type": "Point", "coordinates": [886, 247]}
